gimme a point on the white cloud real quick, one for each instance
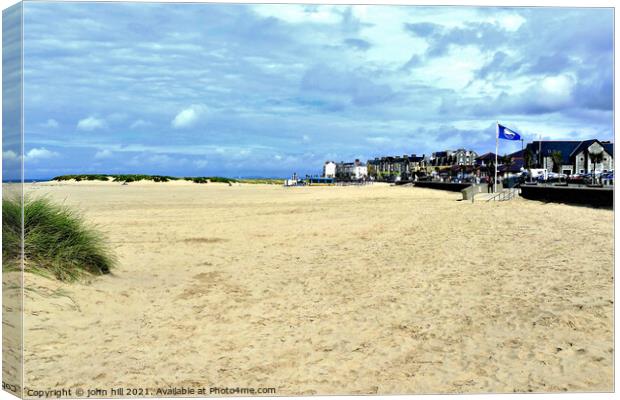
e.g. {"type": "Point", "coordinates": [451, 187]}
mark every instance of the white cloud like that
{"type": "Point", "coordinates": [553, 91]}
{"type": "Point", "coordinates": [90, 124]}
{"type": "Point", "coordinates": [560, 86]}
{"type": "Point", "coordinates": [454, 70]}
{"type": "Point", "coordinates": [103, 154]}
{"type": "Point", "coordinates": [40, 153]}
{"type": "Point", "coordinates": [9, 156]}
{"type": "Point", "coordinates": [511, 22]}
{"type": "Point", "coordinates": [305, 138]}
{"type": "Point", "coordinates": [50, 123]}
{"type": "Point", "coordinates": [189, 116]}
{"type": "Point", "coordinates": [140, 123]}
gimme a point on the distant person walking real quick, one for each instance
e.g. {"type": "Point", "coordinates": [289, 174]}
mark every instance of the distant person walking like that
{"type": "Point", "coordinates": [490, 184]}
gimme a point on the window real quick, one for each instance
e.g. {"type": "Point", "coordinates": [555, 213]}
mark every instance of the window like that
{"type": "Point", "coordinates": [581, 158]}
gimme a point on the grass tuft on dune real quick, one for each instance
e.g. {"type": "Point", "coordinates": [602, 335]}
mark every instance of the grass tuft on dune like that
{"type": "Point", "coordinates": [57, 241]}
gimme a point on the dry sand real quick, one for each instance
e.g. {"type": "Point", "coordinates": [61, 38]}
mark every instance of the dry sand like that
{"type": "Point", "coordinates": [328, 290]}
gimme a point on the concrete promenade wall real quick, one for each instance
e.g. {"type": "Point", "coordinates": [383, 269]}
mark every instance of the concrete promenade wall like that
{"type": "Point", "coordinates": [597, 197]}
{"type": "Point", "coordinates": [452, 187]}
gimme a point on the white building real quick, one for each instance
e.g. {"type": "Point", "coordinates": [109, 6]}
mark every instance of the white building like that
{"type": "Point", "coordinates": [586, 153]}
{"type": "Point", "coordinates": [356, 170]}
{"type": "Point", "coordinates": [329, 169]}
{"type": "Point", "coordinates": [359, 171]}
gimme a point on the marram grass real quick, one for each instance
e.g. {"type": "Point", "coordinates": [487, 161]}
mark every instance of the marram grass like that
{"type": "Point", "coordinates": [57, 241]}
{"type": "Point", "coordinates": [163, 178]}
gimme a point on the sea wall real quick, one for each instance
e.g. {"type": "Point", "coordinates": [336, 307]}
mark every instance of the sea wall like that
{"type": "Point", "coordinates": [452, 187]}
{"type": "Point", "coordinates": [597, 197]}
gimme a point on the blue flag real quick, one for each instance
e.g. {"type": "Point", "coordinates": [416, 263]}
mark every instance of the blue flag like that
{"type": "Point", "coordinates": [505, 133]}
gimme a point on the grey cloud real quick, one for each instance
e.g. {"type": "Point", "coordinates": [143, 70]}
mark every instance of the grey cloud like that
{"type": "Point", "coordinates": [350, 23]}
{"type": "Point", "coordinates": [423, 29]}
{"type": "Point", "coordinates": [499, 62]}
{"type": "Point", "coordinates": [358, 44]}
{"type": "Point", "coordinates": [485, 36]}
{"type": "Point", "coordinates": [415, 61]}
{"type": "Point", "coordinates": [552, 63]}
{"type": "Point", "coordinates": [355, 87]}
{"type": "Point", "coordinates": [595, 88]}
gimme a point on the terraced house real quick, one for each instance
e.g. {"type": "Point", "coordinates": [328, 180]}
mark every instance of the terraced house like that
{"type": "Point", "coordinates": [351, 171]}
{"type": "Point", "coordinates": [393, 168]}
{"type": "Point", "coordinates": [447, 161]}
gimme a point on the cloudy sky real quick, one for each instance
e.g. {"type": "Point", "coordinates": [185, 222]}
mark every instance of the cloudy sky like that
{"type": "Point", "coordinates": [267, 90]}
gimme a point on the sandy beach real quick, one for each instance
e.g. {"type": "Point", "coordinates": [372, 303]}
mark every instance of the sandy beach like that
{"type": "Point", "coordinates": [328, 290]}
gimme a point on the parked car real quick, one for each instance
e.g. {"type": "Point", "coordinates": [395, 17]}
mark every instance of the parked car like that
{"type": "Point", "coordinates": [576, 179]}
{"type": "Point", "coordinates": [555, 175]}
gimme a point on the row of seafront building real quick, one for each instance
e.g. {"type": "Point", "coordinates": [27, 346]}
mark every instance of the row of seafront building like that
{"type": "Point", "coordinates": [564, 157]}
{"type": "Point", "coordinates": [404, 167]}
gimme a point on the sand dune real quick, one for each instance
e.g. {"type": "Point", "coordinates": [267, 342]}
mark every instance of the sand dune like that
{"type": "Point", "coordinates": [328, 290]}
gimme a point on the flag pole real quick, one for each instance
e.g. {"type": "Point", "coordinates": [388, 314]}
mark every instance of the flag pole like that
{"type": "Point", "coordinates": [496, 150]}
{"type": "Point", "coordinates": [539, 150]}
